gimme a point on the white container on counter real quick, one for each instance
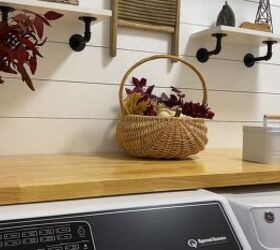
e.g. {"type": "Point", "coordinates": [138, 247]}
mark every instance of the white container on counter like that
{"type": "Point", "coordinates": [262, 144]}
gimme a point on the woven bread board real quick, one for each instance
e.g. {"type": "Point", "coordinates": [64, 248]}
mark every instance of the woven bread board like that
{"type": "Point", "coordinates": [159, 12]}
{"type": "Point", "coordinates": [148, 15]}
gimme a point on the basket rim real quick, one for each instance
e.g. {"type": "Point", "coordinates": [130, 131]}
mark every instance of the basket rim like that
{"type": "Point", "coordinates": [163, 118]}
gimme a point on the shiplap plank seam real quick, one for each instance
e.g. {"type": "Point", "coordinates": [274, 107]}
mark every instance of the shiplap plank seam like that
{"type": "Point", "coordinates": [52, 81]}
{"type": "Point", "coordinates": [182, 55]}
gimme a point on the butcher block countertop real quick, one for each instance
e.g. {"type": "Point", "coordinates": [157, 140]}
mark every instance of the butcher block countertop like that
{"type": "Point", "coordinates": [26, 179]}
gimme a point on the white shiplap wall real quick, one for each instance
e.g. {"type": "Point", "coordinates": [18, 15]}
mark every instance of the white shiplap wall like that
{"type": "Point", "coordinates": [75, 106]}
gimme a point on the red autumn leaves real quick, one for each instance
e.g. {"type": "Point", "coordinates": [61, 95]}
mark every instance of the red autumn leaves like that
{"type": "Point", "coordinates": [175, 100]}
{"type": "Point", "coordinates": [20, 39]}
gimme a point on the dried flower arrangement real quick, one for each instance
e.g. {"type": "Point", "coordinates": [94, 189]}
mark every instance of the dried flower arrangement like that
{"type": "Point", "coordinates": [141, 101]}
{"type": "Point", "coordinates": [20, 39]}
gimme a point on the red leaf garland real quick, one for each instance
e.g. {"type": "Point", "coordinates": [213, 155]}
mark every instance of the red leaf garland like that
{"type": "Point", "coordinates": [21, 57]}
{"type": "Point", "coordinates": [51, 15]}
{"type": "Point", "coordinates": [33, 64]}
{"type": "Point", "coordinates": [25, 78]}
{"type": "Point", "coordinates": [20, 18]}
{"type": "Point", "coordinates": [39, 27]}
{"type": "Point", "coordinates": [19, 43]}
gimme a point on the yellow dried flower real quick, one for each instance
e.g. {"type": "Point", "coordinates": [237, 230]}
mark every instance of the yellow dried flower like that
{"type": "Point", "coordinates": [133, 106]}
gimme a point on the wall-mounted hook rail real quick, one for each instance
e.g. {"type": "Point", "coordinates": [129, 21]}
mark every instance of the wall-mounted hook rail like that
{"type": "Point", "coordinates": [250, 60]}
{"type": "Point", "coordinates": [78, 42]}
{"type": "Point", "coordinates": [203, 54]}
{"type": "Point", "coordinates": [5, 12]}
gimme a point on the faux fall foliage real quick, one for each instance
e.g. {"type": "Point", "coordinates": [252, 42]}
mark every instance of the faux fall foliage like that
{"type": "Point", "coordinates": [20, 39]}
{"type": "Point", "coordinates": [141, 101]}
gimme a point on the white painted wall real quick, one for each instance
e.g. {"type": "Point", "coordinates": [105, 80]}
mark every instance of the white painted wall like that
{"type": "Point", "coordinates": [75, 106]}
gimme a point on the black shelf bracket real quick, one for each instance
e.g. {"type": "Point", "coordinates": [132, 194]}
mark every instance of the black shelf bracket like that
{"type": "Point", "coordinates": [78, 42]}
{"type": "Point", "coordinates": [203, 54]}
{"type": "Point", "coordinates": [250, 60]}
{"type": "Point", "coordinates": [5, 13]}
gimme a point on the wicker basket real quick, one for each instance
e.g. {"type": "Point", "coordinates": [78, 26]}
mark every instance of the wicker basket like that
{"type": "Point", "coordinates": [161, 137]}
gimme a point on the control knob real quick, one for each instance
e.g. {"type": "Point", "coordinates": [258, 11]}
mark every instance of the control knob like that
{"type": "Point", "coordinates": [81, 231]}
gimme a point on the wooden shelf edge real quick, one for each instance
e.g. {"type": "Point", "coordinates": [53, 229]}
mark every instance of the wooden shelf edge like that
{"type": "Point", "coordinates": [70, 11]}
{"type": "Point", "coordinates": [238, 35]}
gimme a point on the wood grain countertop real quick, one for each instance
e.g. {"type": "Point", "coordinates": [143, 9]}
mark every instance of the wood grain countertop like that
{"type": "Point", "coordinates": [25, 179]}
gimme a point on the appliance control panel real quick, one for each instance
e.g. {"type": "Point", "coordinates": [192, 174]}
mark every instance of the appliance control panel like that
{"type": "Point", "coordinates": [48, 236]}
{"type": "Point", "coordinates": [191, 226]}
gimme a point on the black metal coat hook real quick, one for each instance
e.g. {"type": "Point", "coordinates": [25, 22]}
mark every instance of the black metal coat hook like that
{"type": "Point", "coordinates": [203, 54]}
{"type": "Point", "coordinates": [5, 13]}
{"type": "Point", "coordinates": [250, 60]}
{"type": "Point", "coordinates": [78, 42]}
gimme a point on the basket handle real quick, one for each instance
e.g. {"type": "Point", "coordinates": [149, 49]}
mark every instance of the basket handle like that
{"type": "Point", "coordinates": [133, 67]}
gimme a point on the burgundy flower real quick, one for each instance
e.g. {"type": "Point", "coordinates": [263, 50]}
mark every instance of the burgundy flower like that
{"type": "Point", "coordinates": [176, 99]}
{"type": "Point", "coordinates": [172, 101]}
{"type": "Point", "coordinates": [139, 84]}
{"type": "Point", "coordinates": [150, 111]}
{"type": "Point", "coordinates": [174, 89]}
{"type": "Point", "coordinates": [197, 110]}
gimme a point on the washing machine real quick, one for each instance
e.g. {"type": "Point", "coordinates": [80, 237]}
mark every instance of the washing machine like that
{"type": "Point", "coordinates": [258, 212]}
{"type": "Point", "coordinates": [162, 221]}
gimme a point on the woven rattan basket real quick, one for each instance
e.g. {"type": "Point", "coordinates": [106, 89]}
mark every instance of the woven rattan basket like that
{"type": "Point", "coordinates": [161, 137]}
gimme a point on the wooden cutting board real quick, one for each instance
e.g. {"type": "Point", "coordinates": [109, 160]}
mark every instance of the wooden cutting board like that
{"type": "Point", "coordinates": [25, 179]}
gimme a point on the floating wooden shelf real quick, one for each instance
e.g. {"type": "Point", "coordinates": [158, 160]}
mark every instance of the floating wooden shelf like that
{"type": "Point", "coordinates": [71, 12]}
{"type": "Point", "coordinates": [232, 35]}
{"type": "Point", "coordinates": [25, 179]}
{"type": "Point", "coordinates": [238, 36]}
